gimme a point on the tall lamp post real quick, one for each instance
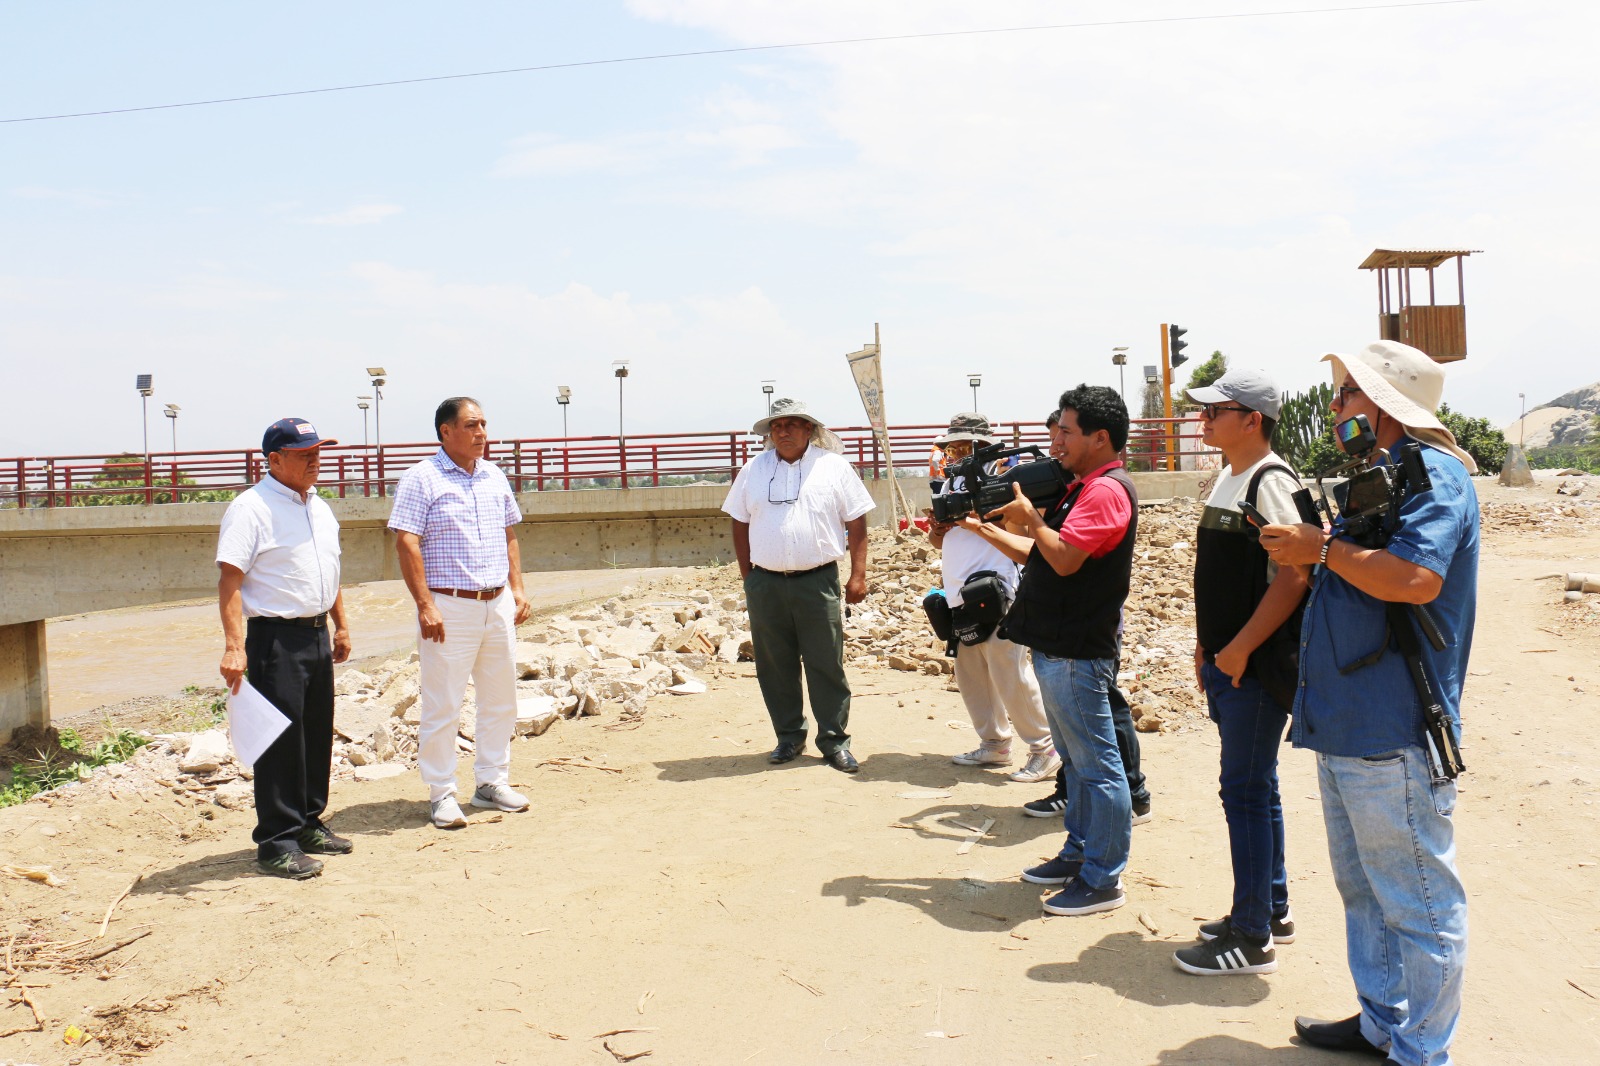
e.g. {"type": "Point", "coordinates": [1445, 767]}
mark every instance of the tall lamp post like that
{"type": "Point", "coordinates": [973, 381]}
{"type": "Point", "coordinates": [172, 413]}
{"type": "Point", "coordinates": [564, 398]}
{"type": "Point", "coordinates": [379, 378]}
{"type": "Point", "coordinates": [766, 388]}
{"type": "Point", "coordinates": [1522, 421]}
{"type": "Point", "coordinates": [361, 402]}
{"type": "Point", "coordinates": [620, 368]}
{"type": "Point", "coordinates": [1119, 359]}
{"type": "Point", "coordinates": [145, 383]}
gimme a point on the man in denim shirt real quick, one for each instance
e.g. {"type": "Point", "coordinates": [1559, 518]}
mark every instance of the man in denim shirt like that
{"type": "Point", "coordinates": [1390, 834]}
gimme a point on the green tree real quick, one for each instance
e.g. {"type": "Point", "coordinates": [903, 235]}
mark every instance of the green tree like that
{"type": "Point", "coordinates": [120, 481]}
{"type": "Point", "coordinates": [1201, 376]}
{"type": "Point", "coordinates": [1477, 438]}
{"type": "Point", "coordinates": [1304, 436]}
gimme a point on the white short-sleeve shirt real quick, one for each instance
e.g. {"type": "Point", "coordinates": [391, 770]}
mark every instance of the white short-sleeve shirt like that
{"type": "Point", "coordinates": [965, 553]}
{"type": "Point", "coordinates": [1274, 496]}
{"type": "Point", "coordinates": [797, 511]}
{"type": "Point", "coordinates": [288, 548]}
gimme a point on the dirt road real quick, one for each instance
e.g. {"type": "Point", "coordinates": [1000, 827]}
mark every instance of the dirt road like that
{"type": "Point", "coordinates": [716, 910]}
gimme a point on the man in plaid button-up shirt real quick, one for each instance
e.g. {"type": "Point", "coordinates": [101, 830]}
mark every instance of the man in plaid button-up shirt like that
{"type": "Point", "coordinates": [454, 520]}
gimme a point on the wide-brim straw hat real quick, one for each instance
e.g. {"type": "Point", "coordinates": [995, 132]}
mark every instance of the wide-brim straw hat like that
{"type": "Point", "coordinates": [1407, 385]}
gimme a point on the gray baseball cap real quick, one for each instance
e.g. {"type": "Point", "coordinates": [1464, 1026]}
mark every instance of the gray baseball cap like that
{"type": "Point", "coordinates": [1246, 387]}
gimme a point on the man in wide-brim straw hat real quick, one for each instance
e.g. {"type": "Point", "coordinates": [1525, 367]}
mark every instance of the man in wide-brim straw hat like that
{"type": "Point", "coordinates": [1387, 809]}
{"type": "Point", "coordinates": [996, 681]}
{"type": "Point", "coordinates": [798, 507]}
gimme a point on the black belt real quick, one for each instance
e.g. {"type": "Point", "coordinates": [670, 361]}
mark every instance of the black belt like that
{"type": "Point", "coordinates": [796, 573]}
{"type": "Point", "coordinates": [316, 621]}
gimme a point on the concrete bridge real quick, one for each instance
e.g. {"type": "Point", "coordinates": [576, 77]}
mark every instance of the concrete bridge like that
{"type": "Point", "coordinates": [71, 560]}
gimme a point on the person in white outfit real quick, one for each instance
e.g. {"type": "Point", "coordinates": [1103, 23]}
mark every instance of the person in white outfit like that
{"type": "Point", "coordinates": [994, 677]}
{"type": "Point", "coordinates": [455, 520]}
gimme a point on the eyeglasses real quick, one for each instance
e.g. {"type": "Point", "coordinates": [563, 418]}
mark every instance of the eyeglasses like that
{"type": "Point", "coordinates": [1342, 397]}
{"type": "Point", "coordinates": [1212, 410]}
{"type": "Point", "coordinates": [784, 492]}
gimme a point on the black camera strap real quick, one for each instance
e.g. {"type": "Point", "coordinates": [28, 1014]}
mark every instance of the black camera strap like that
{"type": "Point", "coordinates": [1444, 755]}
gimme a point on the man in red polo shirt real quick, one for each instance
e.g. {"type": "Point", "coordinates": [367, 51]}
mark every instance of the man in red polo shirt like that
{"type": "Point", "coordinates": [1079, 557]}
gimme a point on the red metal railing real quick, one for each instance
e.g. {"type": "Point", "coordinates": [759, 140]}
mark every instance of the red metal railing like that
{"type": "Point", "coordinates": [532, 464]}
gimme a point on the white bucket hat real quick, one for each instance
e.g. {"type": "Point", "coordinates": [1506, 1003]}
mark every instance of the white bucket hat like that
{"type": "Point", "coordinates": [1407, 385]}
{"type": "Point", "coordinates": [821, 435]}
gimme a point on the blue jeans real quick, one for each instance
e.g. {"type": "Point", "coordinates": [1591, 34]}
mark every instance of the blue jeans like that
{"type": "Point", "coordinates": [1099, 815]}
{"type": "Point", "coordinates": [1250, 723]}
{"type": "Point", "coordinates": [1392, 843]}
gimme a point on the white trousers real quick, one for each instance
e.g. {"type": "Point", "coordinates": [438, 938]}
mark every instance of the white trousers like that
{"type": "Point", "coordinates": [479, 641]}
{"type": "Point", "coordinates": [1000, 691]}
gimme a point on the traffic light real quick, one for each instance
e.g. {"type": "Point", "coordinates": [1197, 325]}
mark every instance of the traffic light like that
{"type": "Point", "coordinates": [1175, 345]}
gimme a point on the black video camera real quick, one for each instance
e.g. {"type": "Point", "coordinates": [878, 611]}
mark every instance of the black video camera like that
{"type": "Point", "coordinates": [1371, 493]}
{"type": "Point", "coordinates": [1042, 481]}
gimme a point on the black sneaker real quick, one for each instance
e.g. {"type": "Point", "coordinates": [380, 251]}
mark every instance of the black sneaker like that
{"type": "Point", "coordinates": [1057, 871]}
{"type": "Point", "coordinates": [1141, 812]}
{"type": "Point", "coordinates": [1052, 806]}
{"type": "Point", "coordinates": [296, 865]}
{"type": "Point", "coordinates": [1076, 897]}
{"type": "Point", "coordinates": [1282, 928]}
{"type": "Point", "coordinates": [1231, 953]}
{"type": "Point", "coordinates": [320, 840]}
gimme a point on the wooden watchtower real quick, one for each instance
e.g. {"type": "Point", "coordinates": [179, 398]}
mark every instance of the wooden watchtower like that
{"type": "Point", "coordinates": [1435, 328]}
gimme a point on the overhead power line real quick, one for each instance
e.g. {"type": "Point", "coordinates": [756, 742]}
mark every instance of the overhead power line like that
{"type": "Point", "coordinates": [737, 50]}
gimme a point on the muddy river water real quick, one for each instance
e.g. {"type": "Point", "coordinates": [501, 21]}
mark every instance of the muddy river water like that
{"type": "Point", "coordinates": [104, 658]}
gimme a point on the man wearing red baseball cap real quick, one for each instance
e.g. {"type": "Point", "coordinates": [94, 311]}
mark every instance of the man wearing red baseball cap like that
{"type": "Point", "coordinates": [279, 556]}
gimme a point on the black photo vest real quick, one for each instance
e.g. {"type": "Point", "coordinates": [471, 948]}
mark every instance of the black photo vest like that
{"type": "Point", "coordinates": [1230, 571]}
{"type": "Point", "coordinates": [1075, 616]}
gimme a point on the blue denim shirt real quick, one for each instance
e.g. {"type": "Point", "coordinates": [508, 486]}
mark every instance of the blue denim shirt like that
{"type": "Point", "coordinates": [1375, 709]}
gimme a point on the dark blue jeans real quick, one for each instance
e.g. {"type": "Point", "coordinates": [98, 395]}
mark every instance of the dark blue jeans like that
{"type": "Point", "coordinates": [1251, 726]}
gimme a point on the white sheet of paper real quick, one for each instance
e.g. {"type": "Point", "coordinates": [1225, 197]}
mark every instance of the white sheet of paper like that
{"type": "Point", "coordinates": [253, 723]}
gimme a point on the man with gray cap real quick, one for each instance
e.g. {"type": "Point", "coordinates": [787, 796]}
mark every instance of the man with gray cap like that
{"type": "Point", "coordinates": [278, 553]}
{"type": "Point", "coordinates": [1242, 599]}
{"type": "Point", "coordinates": [797, 508]}
{"type": "Point", "coordinates": [1386, 802]}
{"type": "Point", "coordinates": [997, 684]}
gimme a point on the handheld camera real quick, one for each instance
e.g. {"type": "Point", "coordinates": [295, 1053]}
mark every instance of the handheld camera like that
{"type": "Point", "coordinates": [1042, 480]}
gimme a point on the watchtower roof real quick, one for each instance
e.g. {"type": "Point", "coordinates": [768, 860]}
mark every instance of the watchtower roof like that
{"type": "Point", "coordinates": [1425, 258]}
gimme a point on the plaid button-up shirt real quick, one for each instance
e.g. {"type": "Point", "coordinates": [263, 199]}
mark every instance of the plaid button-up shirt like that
{"type": "Point", "coordinates": [461, 518]}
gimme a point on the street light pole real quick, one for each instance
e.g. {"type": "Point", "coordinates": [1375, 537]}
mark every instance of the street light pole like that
{"type": "Point", "coordinates": [564, 398]}
{"type": "Point", "coordinates": [620, 368]}
{"type": "Point", "coordinates": [1522, 421]}
{"type": "Point", "coordinates": [145, 383]}
{"type": "Point", "coordinates": [379, 378]}
{"type": "Point", "coordinates": [172, 413]}
{"type": "Point", "coordinates": [1119, 359]}
{"type": "Point", "coordinates": [766, 388]}
{"type": "Point", "coordinates": [361, 402]}
{"type": "Point", "coordinates": [974, 380]}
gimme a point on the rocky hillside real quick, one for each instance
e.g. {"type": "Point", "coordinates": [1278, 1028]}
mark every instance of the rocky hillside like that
{"type": "Point", "coordinates": [1568, 419]}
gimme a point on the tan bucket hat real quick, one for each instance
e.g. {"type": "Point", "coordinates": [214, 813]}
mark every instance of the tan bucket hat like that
{"type": "Point", "coordinates": [1407, 385]}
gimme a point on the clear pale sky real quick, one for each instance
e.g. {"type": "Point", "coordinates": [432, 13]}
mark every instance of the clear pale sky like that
{"type": "Point", "coordinates": [1014, 204]}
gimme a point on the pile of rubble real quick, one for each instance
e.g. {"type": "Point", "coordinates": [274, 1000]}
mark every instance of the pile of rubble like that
{"type": "Point", "coordinates": [889, 628]}
{"type": "Point", "coordinates": [610, 659]}
{"type": "Point", "coordinates": [1541, 516]}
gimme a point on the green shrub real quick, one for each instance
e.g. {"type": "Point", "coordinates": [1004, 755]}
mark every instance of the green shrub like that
{"type": "Point", "coordinates": [1477, 438]}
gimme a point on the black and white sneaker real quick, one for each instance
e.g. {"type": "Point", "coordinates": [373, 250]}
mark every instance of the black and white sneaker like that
{"type": "Point", "coordinates": [1052, 806]}
{"type": "Point", "coordinates": [1230, 953]}
{"type": "Point", "coordinates": [1282, 928]}
{"type": "Point", "coordinates": [1141, 812]}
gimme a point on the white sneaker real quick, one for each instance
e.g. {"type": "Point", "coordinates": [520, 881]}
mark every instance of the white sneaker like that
{"type": "Point", "coordinates": [499, 797]}
{"type": "Point", "coordinates": [984, 757]}
{"type": "Point", "coordinates": [1040, 765]}
{"type": "Point", "coordinates": [447, 813]}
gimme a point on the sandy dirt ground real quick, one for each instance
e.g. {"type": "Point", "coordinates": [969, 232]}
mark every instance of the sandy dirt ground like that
{"type": "Point", "coordinates": [698, 905]}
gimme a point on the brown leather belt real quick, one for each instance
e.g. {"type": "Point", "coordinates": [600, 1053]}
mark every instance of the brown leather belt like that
{"type": "Point", "coordinates": [471, 594]}
{"type": "Point", "coordinates": [795, 573]}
